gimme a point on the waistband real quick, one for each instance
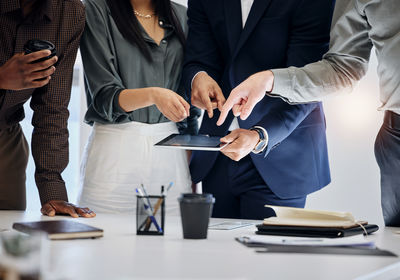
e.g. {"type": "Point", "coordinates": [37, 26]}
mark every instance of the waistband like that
{"type": "Point", "coordinates": [392, 120]}
{"type": "Point", "coordinates": [138, 128]}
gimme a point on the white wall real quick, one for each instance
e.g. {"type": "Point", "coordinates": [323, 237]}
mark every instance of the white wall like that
{"type": "Point", "coordinates": [352, 124]}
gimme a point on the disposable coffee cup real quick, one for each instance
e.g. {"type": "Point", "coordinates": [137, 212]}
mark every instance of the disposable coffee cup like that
{"type": "Point", "coordinates": [196, 211]}
{"type": "Point", "coordinates": [38, 45]}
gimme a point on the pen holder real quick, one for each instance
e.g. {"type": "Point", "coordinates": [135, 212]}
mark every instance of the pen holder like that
{"type": "Point", "coordinates": [150, 215]}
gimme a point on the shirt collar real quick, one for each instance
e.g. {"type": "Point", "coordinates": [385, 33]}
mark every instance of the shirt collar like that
{"type": "Point", "coordinates": [169, 30]}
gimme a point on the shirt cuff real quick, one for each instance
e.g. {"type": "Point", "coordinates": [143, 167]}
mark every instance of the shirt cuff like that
{"type": "Point", "coordinates": [117, 107]}
{"type": "Point", "coordinates": [195, 75]}
{"type": "Point", "coordinates": [52, 191]}
{"type": "Point", "coordinates": [282, 85]}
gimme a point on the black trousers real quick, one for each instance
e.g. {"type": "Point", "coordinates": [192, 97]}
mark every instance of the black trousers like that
{"type": "Point", "coordinates": [387, 153]}
{"type": "Point", "coordinates": [14, 152]}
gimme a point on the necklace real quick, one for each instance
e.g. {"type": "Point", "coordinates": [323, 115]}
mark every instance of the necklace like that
{"type": "Point", "coordinates": [142, 15]}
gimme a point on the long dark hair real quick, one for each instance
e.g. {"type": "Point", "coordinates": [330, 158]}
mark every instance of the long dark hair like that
{"type": "Point", "coordinates": [128, 25]}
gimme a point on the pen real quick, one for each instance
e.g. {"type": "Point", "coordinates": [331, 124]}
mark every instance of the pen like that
{"type": "Point", "coordinates": [164, 193]}
{"type": "Point", "coordinates": [170, 186]}
{"type": "Point", "coordinates": [147, 222]}
{"type": "Point", "coordinates": [148, 211]}
{"type": "Point", "coordinates": [156, 207]}
{"type": "Point", "coordinates": [147, 196]}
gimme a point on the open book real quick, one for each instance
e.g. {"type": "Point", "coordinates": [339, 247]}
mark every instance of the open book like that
{"type": "Point", "coordinates": [313, 223]}
{"type": "Point", "coordinates": [289, 216]}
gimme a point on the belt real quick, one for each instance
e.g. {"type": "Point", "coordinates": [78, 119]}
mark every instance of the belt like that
{"type": "Point", "coordinates": [392, 120]}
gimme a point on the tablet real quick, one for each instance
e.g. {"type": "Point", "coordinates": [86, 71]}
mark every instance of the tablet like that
{"type": "Point", "coordinates": [192, 142]}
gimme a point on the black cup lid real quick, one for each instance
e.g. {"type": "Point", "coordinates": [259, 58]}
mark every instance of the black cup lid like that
{"type": "Point", "coordinates": [196, 198]}
{"type": "Point", "coordinates": [38, 45]}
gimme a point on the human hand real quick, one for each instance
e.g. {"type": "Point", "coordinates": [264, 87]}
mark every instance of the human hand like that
{"type": "Point", "coordinates": [245, 96]}
{"type": "Point", "coordinates": [241, 142]}
{"type": "Point", "coordinates": [20, 73]}
{"type": "Point", "coordinates": [54, 207]}
{"type": "Point", "coordinates": [206, 94]}
{"type": "Point", "coordinates": [171, 104]}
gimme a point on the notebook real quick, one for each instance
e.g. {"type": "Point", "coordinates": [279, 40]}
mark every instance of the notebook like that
{"type": "Point", "coordinates": [313, 223]}
{"type": "Point", "coordinates": [60, 229]}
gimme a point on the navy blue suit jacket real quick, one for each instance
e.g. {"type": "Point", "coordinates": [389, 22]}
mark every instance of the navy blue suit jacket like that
{"type": "Point", "coordinates": [277, 34]}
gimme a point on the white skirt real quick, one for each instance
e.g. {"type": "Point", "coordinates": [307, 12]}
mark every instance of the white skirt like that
{"type": "Point", "coordinates": [119, 158]}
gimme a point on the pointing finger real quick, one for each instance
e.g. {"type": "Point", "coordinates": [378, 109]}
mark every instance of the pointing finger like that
{"type": "Point", "coordinates": [186, 105]}
{"type": "Point", "coordinates": [208, 105]}
{"type": "Point", "coordinates": [230, 102]}
{"type": "Point", "coordinates": [219, 96]}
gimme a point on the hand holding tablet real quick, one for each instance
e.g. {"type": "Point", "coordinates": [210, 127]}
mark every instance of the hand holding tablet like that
{"type": "Point", "coordinates": [192, 142]}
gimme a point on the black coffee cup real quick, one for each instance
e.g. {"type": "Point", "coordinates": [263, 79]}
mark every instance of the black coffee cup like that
{"type": "Point", "coordinates": [196, 210]}
{"type": "Point", "coordinates": [38, 45]}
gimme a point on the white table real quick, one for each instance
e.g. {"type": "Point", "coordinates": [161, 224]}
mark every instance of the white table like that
{"type": "Point", "coordinates": [121, 254]}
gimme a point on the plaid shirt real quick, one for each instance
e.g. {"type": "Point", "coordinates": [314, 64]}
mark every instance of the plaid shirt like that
{"type": "Point", "coordinates": [60, 22]}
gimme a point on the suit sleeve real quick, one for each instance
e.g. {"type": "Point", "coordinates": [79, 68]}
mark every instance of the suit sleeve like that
{"type": "Point", "coordinates": [202, 52]}
{"type": "Point", "coordinates": [308, 41]}
{"type": "Point", "coordinates": [340, 69]}
{"type": "Point", "coordinates": [50, 118]}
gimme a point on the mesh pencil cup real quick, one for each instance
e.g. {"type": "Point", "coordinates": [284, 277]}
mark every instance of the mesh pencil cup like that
{"type": "Point", "coordinates": [150, 215]}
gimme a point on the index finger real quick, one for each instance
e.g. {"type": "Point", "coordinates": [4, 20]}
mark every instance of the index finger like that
{"type": "Point", "coordinates": [232, 100]}
{"type": "Point", "coordinates": [186, 105]}
{"type": "Point", "coordinates": [207, 103]}
{"type": "Point", "coordinates": [36, 55]}
{"type": "Point", "coordinates": [219, 96]}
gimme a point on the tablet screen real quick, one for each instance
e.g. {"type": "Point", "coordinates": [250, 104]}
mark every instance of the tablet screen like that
{"type": "Point", "coordinates": [191, 142]}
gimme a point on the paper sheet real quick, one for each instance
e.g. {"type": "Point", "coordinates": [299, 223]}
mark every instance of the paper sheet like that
{"type": "Point", "coordinates": [357, 240]}
{"type": "Point", "coordinates": [229, 225]}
